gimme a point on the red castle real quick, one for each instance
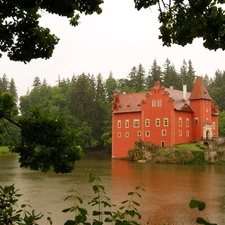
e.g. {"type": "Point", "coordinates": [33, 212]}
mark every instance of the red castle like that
{"type": "Point", "coordinates": [163, 116]}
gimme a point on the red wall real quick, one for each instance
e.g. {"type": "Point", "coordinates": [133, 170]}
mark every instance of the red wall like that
{"type": "Point", "coordinates": [122, 144]}
{"type": "Point", "coordinates": [183, 133]}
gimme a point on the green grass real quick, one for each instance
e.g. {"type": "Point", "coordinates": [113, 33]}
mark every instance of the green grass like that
{"type": "Point", "coordinates": [4, 149]}
{"type": "Point", "coordinates": [191, 146]}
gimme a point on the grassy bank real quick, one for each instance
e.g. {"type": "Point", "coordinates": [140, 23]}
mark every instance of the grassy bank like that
{"type": "Point", "coordinates": [191, 147]}
{"type": "Point", "coordinates": [4, 150]}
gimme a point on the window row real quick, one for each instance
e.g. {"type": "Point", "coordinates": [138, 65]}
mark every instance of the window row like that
{"type": "Point", "coordinates": [136, 122]}
{"type": "Point", "coordinates": [147, 133]}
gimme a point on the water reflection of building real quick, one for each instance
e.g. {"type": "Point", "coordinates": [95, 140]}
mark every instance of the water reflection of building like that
{"type": "Point", "coordinates": [168, 190]}
{"type": "Point", "coordinates": [163, 116]}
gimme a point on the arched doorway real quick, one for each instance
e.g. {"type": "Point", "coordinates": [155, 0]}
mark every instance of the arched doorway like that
{"type": "Point", "coordinates": [207, 135]}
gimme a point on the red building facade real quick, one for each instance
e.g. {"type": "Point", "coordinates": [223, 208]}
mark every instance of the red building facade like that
{"type": "Point", "coordinates": [163, 116]}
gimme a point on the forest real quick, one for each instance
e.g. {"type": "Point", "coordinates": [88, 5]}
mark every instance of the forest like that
{"type": "Point", "coordinates": [85, 100]}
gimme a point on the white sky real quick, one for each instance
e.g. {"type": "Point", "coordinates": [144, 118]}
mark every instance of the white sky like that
{"type": "Point", "coordinates": [116, 40]}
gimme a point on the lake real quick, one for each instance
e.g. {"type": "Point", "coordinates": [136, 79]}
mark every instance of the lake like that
{"type": "Point", "coordinates": [168, 188]}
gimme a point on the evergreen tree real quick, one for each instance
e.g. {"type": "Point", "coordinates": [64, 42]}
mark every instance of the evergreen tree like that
{"type": "Point", "coordinates": [99, 87]}
{"type": "Point", "coordinates": [217, 89]}
{"type": "Point", "coordinates": [132, 77]}
{"type": "Point", "coordinates": [140, 78]}
{"type": "Point", "coordinates": [170, 76]}
{"type": "Point", "coordinates": [4, 83]}
{"type": "Point", "coordinates": [155, 74]}
{"type": "Point", "coordinates": [184, 72]}
{"type": "Point", "coordinates": [123, 85]}
{"type": "Point", "coordinates": [110, 87]}
{"type": "Point", "coordinates": [13, 90]}
{"type": "Point", "coordinates": [190, 76]}
{"type": "Point", "coordinates": [208, 82]}
{"type": "Point", "coordinates": [82, 102]}
{"type": "Point", "coordinates": [36, 82]}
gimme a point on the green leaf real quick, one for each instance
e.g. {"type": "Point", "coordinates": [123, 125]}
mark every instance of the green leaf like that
{"type": "Point", "coordinates": [23, 205]}
{"type": "Point", "coordinates": [197, 204]}
{"type": "Point", "coordinates": [136, 203]}
{"type": "Point", "coordinates": [80, 200]}
{"type": "Point", "coordinates": [130, 193]}
{"type": "Point", "coordinates": [122, 207]}
{"type": "Point", "coordinates": [107, 220]}
{"type": "Point", "coordinates": [67, 209]}
{"type": "Point", "coordinates": [124, 202]}
{"type": "Point", "coordinates": [130, 212]}
{"type": "Point", "coordinates": [70, 196]}
{"type": "Point", "coordinates": [92, 177]}
{"type": "Point", "coordinates": [70, 222]}
{"type": "Point", "coordinates": [97, 223]}
{"type": "Point", "coordinates": [96, 213]}
{"type": "Point", "coordinates": [202, 221]}
{"type": "Point", "coordinates": [95, 188]}
{"type": "Point", "coordinates": [107, 213]}
{"type": "Point", "coordinates": [82, 211]}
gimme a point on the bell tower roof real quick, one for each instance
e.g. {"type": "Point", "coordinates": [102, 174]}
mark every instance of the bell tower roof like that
{"type": "Point", "coordinates": [199, 90]}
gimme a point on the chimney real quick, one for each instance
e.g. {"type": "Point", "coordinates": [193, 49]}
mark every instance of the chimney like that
{"type": "Point", "coordinates": [171, 87]}
{"type": "Point", "coordinates": [185, 92]}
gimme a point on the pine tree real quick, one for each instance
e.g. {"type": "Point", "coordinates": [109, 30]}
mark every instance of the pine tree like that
{"type": "Point", "coordinates": [36, 82]}
{"type": "Point", "coordinates": [140, 78]}
{"type": "Point", "coordinates": [13, 90]}
{"type": "Point", "coordinates": [110, 87]}
{"type": "Point", "coordinates": [132, 77]}
{"type": "Point", "coordinates": [190, 77]}
{"type": "Point", "coordinates": [99, 87]}
{"type": "Point", "coordinates": [4, 83]}
{"type": "Point", "coordinates": [155, 72]}
{"type": "Point", "coordinates": [170, 76]}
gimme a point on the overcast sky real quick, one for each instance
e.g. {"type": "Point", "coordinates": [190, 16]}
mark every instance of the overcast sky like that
{"type": "Point", "coordinates": [118, 39]}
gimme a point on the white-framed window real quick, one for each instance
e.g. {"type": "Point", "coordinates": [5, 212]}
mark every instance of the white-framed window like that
{"type": "Point", "coordinates": [196, 121]}
{"type": "Point", "coordinates": [147, 133]}
{"type": "Point", "coordinates": [166, 122]}
{"type": "Point", "coordinates": [159, 102]}
{"type": "Point", "coordinates": [147, 122]}
{"type": "Point", "coordinates": [127, 123]}
{"type": "Point", "coordinates": [119, 123]}
{"type": "Point", "coordinates": [136, 123]}
{"type": "Point", "coordinates": [187, 133]}
{"type": "Point", "coordinates": [157, 122]}
{"type": "Point", "coordinates": [126, 134]}
{"type": "Point", "coordinates": [180, 133]}
{"type": "Point", "coordinates": [207, 121]}
{"type": "Point", "coordinates": [180, 122]}
{"type": "Point", "coordinates": [119, 134]}
{"type": "Point", "coordinates": [153, 103]}
{"type": "Point", "coordinates": [163, 132]}
{"type": "Point", "coordinates": [187, 122]}
{"type": "Point", "coordinates": [206, 101]}
{"type": "Point", "coordinates": [139, 133]}
{"type": "Point", "coordinates": [214, 125]}
{"type": "Point", "coordinates": [207, 110]}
